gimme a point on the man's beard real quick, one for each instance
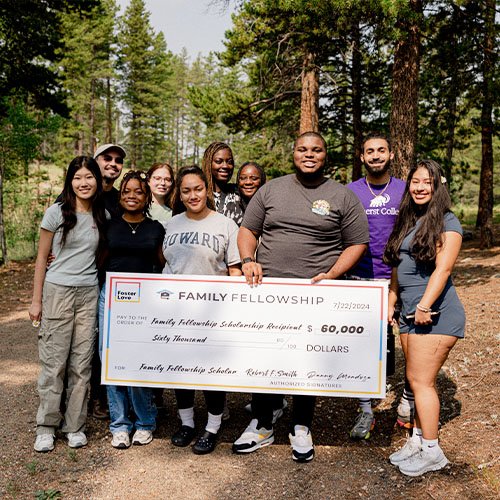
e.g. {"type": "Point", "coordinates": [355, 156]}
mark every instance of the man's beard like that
{"type": "Point", "coordinates": [378, 173]}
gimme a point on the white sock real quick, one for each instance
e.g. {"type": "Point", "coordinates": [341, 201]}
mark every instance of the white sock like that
{"type": "Point", "coordinates": [187, 417]}
{"type": "Point", "coordinates": [214, 423]}
{"type": "Point", "coordinates": [417, 435]}
{"type": "Point", "coordinates": [407, 399]}
{"type": "Point", "coordinates": [430, 445]}
{"type": "Point", "coordinates": [365, 405]}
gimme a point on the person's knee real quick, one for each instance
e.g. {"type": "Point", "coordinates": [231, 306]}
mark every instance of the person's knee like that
{"type": "Point", "coordinates": [419, 381]}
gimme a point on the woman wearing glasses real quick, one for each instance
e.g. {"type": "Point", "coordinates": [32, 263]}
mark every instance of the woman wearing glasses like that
{"type": "Point", "coordinates": [161, 181]}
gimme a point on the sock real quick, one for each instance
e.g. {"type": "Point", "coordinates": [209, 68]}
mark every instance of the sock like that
{"type": "Point", "coordinates": [365, 405]}
{"type": "Point", "coordinates": [408, 399]}
{"type": "Point", "coordinates": [430, 445]}
{"type": "Point", "coordinates": [214, 423]}
{"type": "Point", "coordinates": [187, 417]}
{"type": "Point", "coordinates": [417, 435]}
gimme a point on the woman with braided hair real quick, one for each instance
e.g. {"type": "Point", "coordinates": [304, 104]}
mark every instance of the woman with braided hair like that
{"type": "Point", "coordinates": [218, 167]}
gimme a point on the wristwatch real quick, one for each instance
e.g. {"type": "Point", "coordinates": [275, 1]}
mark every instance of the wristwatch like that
{"type": "Point", "coordinates": [246, 260]}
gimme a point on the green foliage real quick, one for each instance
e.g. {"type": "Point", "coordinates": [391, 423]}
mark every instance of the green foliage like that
{"type": "Point", "coordinates": [145, 68]}
{"type": "Point", "coordinates": [25, 201]}
{"type": "Point", "coordinates": [22, 132]}
{"type": "Point", "coordinates": [50, 494]}
{"type": "Point", "coordinates": [30, 33]}
{"type": "Point", "coordinates": [32, 467]}
{"type": "Point", "coordinates": [87, 67]}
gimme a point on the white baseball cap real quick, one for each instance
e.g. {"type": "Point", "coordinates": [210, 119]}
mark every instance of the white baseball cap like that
{"type": "Point", "coordinates": [102, 149]}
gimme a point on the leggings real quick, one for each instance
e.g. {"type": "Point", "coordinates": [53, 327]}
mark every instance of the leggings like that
{"type": "Point", "coordinates": [214, 399]}
{"type": "Point", "coordinates": [263, 404]}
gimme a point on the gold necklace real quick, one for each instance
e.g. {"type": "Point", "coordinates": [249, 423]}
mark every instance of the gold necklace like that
{"type": "Point", "coordinates": [134, 229]}
{"type": "Point", "coordinates": [379, 196]}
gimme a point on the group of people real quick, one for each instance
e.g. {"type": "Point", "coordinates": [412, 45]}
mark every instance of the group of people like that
{"type": "Point", "coordinates": [302, 225]}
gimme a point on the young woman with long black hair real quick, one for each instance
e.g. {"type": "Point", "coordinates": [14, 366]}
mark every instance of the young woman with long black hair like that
{"type": "Point", "coordinates": [65, 301]}
{"type": "Point", "coordinates": [422, 249]}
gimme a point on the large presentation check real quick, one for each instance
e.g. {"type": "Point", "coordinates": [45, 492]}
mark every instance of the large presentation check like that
{"type": "Point", "coordinates": [285, 336]}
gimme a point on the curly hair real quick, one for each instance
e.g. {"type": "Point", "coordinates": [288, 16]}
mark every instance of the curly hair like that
{"type": "Point", "coordinates": [68, 197]}
{"type": "Point", "coordinates": [142, 177]}
{"type": "Point", "coordinates": [206, 164]}
{"type": "Point", "coordinates": [179, 207]}
{"type": "Point", "coordinates": [430, 217]}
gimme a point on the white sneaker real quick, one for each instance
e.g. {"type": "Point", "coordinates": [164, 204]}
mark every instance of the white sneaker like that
{"type": "Point", "coordinates": [302, 444]}
{"type": "Point", "coordinates": [409, 449]}
{"type": "Point", "coordinates": [76, 439]}
{"type": "Point", "coordinates": [424, 461]}
{"type": "Point", "coordinates": [142, 437]}
{"type": "Point", "coordinates": [252, 438]}
{"type": "Point", "coordinates": [121, 440]}
{"type": "Point", "coordinates": [44, 443]}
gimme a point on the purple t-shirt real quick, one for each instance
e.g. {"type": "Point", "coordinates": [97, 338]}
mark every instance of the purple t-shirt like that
{"type": "Point", "coordinates": [381, 211]}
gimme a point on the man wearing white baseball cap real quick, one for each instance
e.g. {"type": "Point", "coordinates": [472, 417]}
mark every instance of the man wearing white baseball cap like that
{"type": "Point", "coordinates": [110, 159]}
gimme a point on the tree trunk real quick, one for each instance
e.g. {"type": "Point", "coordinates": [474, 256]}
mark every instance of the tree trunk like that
{"type": "Point", "coordinates": [485, 206]}
{"type": "Point", "coordinates": [91, 147]}
{"type": "Point", "coordinates": [309, 121]}
{"type": "Point", "coordinates": [404, 108]}
{"type": "Point", "coordinates": [357, 126]}
{"type": "Point", "coordinates": [109, 113]}
{"type": "Point", "coordinates": [3, 241]}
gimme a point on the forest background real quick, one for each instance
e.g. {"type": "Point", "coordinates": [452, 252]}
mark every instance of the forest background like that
{"type": "Point", "coordinates": [75, 74]}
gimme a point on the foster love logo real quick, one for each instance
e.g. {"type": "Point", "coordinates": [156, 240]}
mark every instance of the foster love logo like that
{"type": "Point", "coordinates": [126, 291]}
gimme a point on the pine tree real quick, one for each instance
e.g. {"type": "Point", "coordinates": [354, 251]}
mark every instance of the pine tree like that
{"type": "Point", "coordinates": [87, 72]}
{"type": "Point", "coordinates": [145, 69]}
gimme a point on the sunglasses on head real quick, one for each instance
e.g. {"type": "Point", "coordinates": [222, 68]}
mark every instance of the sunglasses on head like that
{"type": "Point", "coordinates": [118, 159]}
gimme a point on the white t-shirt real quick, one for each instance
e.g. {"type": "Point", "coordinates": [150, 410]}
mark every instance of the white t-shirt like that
{"type": "Point", "coordinates": [74, 264]}
{"type": "Point", "coordinates": [206, 246]}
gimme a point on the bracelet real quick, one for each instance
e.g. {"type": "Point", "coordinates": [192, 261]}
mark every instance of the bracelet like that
{"type": "Point", "coordinates": [424, 309]}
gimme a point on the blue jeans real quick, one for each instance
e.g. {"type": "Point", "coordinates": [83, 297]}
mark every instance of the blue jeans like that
{"type": "Point", "coordinates": [140, 399]}
{"type": "Point", "coordinates": [123, 399]}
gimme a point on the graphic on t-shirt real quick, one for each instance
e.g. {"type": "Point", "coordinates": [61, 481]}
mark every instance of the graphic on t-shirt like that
{"type": "Point", "coordinates": [193, 238]}
{"type": "Point", "coordinates": [321, 207]}
{"type": "Point", "coordinates": [380, 200]}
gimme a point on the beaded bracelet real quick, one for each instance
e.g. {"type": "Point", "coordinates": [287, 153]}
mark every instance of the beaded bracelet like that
{"type": "Point", "coordinates": [424, 309]}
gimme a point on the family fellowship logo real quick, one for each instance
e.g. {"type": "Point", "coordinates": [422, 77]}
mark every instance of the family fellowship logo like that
{"type": "Point", "coordinates": [127, 291]}
{"type": "Point", "coordinates": [380, 201]}
{"type": "Point", "coordinates": [165, 294]}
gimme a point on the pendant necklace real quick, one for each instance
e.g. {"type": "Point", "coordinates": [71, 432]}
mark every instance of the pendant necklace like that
{"type": "Point", "coordinates": [133, 227]}
{"type": "Point", "coordinates": [378, 197]}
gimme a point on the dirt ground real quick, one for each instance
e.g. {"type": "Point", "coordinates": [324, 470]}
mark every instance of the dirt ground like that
{"type": "Point", "coordinates": [342, 469]}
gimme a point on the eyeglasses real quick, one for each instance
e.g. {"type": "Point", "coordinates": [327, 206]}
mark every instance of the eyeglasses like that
{"type": "Point", "coordinates": [164, 180]}
{"type": "Point", "coordinates": [118, 159]}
